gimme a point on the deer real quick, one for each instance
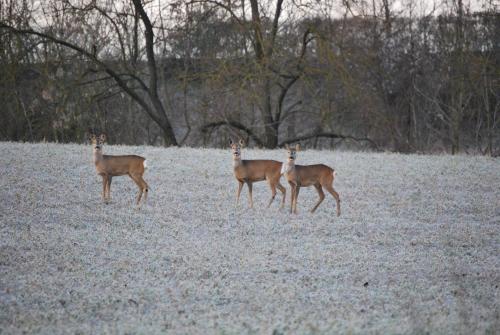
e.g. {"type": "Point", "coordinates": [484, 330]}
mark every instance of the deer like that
{"type": "Point", "coordinates": [319, 175]}
{"type": "Point", "coordinates": [251, 171]}
{"type": "Point", "coordinates": [108, 166]}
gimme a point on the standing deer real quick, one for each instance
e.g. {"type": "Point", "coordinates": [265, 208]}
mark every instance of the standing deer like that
{"type": "Point", "coordinates": [109, 166]}
{"type": "Point", "coordinates": [298, 176]}
{"type": "Point", "coordinates": [250, 171]}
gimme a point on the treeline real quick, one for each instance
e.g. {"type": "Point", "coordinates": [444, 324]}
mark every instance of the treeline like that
{"type": "Point", "coordinates": [326, 74]}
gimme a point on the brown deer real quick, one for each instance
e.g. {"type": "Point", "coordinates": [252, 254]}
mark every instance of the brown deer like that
{"type": "Point", "coordinates": [298, 176]}
{"type": "Point", "coordinates": [110, 166]}
{"type": "Point", "coordinates": [251, 171]}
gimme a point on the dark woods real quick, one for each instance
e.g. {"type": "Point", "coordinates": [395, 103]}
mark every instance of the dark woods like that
{"type": "Point", "coordinates": [368, 75]}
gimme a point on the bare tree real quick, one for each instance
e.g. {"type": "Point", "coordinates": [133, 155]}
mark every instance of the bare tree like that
{"type": "Point", "coordinates": [405, 78]}
{"type": "Point", "coordinates": [147, 95]}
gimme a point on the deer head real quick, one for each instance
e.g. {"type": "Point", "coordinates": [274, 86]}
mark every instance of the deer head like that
{"type": "Point", "coordinates": [291, 152]}
{"type": "Point", "coordinates": [236, 148]}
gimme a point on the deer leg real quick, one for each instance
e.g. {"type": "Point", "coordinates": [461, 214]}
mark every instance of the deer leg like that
{"type": "Point", "coordinates": [138, 183]}
{"type": "Point", "coordinates": [109, 187]}
{"type": "Point", "coordinates": [321, 196]}
{"type": "Point", "coordinates": [273, 192]}
{"type": "Point", "coordinates": [240, 186]}
{"type": "Point", "coordinates": [144, 187]}
{"type": "Point", "coordinates": [297, 190]}
{"type": "Point", "coordinates": [292, 196]}
{"type": "Point", "coordinates": [283, 191]}
{"type": "Point", "coordinates": [335, 195]}
{"type": "Point", "coordinates": [104, 183]}
{"type": "Point", "coordinates": [249, 183]}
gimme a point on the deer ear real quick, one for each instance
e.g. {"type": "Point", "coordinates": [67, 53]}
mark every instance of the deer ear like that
{"type": "Point", "coordinates": [297, 147]}
{"type": "Point", "coordinates": [91, 137]}
{"type": "Point", "coordinates": [287, 147]}
{"type": "Point", "coordinates": [102, 138]}
{"type": "Point", "coordinates": [231, 141]}
{"type": "Point", "coordinates": [242, 143]}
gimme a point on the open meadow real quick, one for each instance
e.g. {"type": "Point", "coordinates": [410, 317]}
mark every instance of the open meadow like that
{"type": "Point", "coordinates": [416, 249]}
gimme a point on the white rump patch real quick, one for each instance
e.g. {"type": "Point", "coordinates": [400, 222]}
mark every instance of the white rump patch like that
{"type": "Point", "coordinates": [145, 164]}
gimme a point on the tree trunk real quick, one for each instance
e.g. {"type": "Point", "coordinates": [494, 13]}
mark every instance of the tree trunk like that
{"type": "Point", "coordinates": [270, 129]}
{"type": "Point", "coordinates": [168, 135]}
{"type": "Point", "coordinates": [263, 54]}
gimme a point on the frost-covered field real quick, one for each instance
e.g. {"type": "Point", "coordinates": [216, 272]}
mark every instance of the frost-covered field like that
{"type": "Point", "coordinates": [416, 250]}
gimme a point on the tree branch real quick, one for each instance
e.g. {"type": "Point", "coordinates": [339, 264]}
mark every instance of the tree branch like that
{"type": "Point", "coordinates": [148, 27]}
{"type": "Point", "coordinates": [234, 124]}
{"type": "Point", "coordinates": [294, 78]}
{"type": "Point", "coordinates": [153, 75]}
{"type": "Point", "coordinates": [274, 30]}
{"type": "Point", "coordinates": [83, 52]}
{"type": "Point", "coordinates": [328, 135]}
{"type": "Point", "coordinates": [222, 5]}
{"type": "Point", "coordinates": [257, 28]}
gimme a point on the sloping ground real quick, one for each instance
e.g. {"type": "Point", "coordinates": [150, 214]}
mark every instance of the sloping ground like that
{"type": "Point", "coordinates": [416, 249]}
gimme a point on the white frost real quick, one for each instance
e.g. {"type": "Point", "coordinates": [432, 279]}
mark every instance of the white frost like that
{"type": "Point", "coordinates": [415, 250]}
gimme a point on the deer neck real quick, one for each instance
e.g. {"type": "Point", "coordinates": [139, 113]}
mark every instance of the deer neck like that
{"type": "Point", "coordinates": [237, 162]}
{"type": "Point", "coordinates": [97, 157]}
{"type": "Point", "coordinates": [288, 167]}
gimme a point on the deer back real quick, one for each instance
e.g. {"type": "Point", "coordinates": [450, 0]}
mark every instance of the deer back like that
{"type": "Point", "coordinates": [257, 170]}
{"type": "Point", "coordinates": [121, 165]}
{"type": "Point", "coordinates": [307, 175]}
